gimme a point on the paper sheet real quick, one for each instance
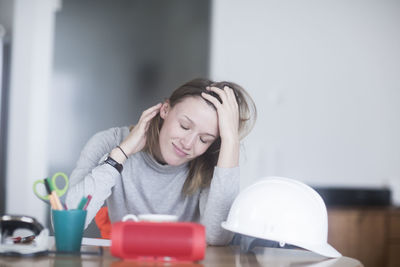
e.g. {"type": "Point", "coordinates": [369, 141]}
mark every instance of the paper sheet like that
{"type": "Point", "coordinates": [96, 242]}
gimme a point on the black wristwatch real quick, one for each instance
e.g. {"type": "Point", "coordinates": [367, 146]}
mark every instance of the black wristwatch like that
{"type": "Point", "coordinates": [115, 164]}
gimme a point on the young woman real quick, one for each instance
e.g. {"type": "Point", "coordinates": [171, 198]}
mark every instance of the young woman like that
{"type": "Point", "coordinates": [180, 158]}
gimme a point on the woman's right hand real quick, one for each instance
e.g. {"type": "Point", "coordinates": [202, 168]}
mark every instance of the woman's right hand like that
{"type": "Point", "coordinates": [136, 139]}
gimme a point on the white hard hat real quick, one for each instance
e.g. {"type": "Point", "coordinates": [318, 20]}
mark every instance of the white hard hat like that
{"type": "Point", "coordinates": [282, 210]}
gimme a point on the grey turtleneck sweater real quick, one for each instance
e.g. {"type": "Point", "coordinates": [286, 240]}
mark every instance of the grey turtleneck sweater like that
{"type": "Point", "coordinates": [145, 186]}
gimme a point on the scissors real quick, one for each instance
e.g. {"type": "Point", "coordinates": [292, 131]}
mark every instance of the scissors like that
{"type": "Point", "coordinates": [59, 191]}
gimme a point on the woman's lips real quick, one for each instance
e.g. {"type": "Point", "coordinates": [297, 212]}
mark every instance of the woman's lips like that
{"type": "Point", "coordinates": [179, 152]}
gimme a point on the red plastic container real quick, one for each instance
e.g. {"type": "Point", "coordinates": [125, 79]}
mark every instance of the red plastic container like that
{"type": "Point", "coordinates": [165, 241]}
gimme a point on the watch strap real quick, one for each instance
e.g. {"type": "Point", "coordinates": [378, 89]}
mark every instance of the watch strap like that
{"type": "Point", "coordinates": [114, 163]}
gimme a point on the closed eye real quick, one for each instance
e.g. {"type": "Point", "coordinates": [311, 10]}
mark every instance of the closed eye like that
{"type": "Point", "coordinates": [185, 128]}
{"type": "Point", "coordinates": [205, 141]}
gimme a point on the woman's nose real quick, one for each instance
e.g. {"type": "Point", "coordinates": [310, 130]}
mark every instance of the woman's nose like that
{"type": "Point", "coordinates": [188, 140]}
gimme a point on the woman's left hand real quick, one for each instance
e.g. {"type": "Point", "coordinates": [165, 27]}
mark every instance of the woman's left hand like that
{"type": "Point", "coordinates": [228, 121]}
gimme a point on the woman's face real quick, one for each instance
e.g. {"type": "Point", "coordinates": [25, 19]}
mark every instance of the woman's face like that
{"type": "Point", "coordinates": [189, 128]}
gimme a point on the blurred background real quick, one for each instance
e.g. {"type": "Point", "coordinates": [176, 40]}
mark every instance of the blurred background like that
{"type": "Point", "coordinates": [324, 76]}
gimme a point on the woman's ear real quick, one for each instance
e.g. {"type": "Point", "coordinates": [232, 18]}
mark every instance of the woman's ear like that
{"type": "Point", "coordinates": [164, 110]}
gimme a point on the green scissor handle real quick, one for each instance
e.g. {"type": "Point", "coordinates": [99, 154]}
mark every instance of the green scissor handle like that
{"type": "Point", "coordinates": [43, 197]}
{"type": "Point", "coordinates": [53, 186]}
{"type": "Point", "coordinates": [59, 191]}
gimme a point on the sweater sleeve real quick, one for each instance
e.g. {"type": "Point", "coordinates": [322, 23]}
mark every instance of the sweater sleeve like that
{"type": "Point", "coordinates": [215, 203]}
{"type": "Point", "coordinates": [91, 177]}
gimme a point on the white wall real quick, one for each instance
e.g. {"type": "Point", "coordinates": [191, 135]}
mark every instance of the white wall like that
{"type": "Point", "coordinates": [325, 78]}
{"type": "Point", "coordinates": [27, 160]}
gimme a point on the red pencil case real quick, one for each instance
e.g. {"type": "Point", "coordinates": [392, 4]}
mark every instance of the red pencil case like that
{"type": "Point", "coordinates": [154, 241]}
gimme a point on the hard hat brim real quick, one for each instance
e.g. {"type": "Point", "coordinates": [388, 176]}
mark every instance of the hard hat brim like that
{"type": "Point", "coordinates": [325, 249]}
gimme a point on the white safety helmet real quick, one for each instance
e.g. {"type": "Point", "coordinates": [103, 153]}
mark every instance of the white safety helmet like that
{"type": "Point", "coordinates": [282, 210]}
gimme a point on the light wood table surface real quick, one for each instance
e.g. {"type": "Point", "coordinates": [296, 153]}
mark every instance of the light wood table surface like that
{"type": "Point", "coordinates": [215, 256]}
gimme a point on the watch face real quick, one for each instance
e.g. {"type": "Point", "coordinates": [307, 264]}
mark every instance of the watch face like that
{"type": "Point", "coordinates": [103, 158]}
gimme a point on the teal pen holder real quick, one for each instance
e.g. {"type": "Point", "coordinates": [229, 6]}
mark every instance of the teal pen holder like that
{"type": "Point", "coordinates": [68, 229]}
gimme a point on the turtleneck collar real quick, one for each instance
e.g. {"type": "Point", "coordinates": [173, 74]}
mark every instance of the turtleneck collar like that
{"type": "Point", "coordinates": [160, 168]}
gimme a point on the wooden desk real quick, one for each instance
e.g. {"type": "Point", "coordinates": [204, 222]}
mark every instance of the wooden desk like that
{"type": "Point", "coordinates": [215, 256]}
{"type": "Point", "coordinates": [370, 234]}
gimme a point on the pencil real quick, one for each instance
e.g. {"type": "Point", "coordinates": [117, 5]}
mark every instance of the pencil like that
{"type": "Point", "coordinates": [54, 194]}
{"type": "Point", "coordinates": [89, 197]}
{"type": "Point", "coordinates": [57, 200]}
{"type": "Point", "coordinates": [82, 203]}
{"type": "Point", "coordinates": [51, 199]}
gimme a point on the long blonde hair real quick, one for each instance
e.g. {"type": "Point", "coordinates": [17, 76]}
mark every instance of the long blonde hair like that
{"type": "Point", "coordinates": [201, 168]}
